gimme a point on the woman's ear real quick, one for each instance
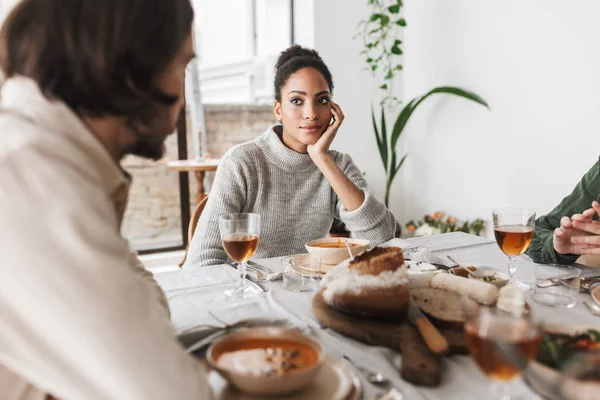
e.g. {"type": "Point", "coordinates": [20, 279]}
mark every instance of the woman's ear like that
{"type": "Point", "coordinates": [277, 110]}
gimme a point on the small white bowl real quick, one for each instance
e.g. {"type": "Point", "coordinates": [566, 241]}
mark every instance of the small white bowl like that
{"type": "Point", "coordinates": [266, 385]}
{"type": "Point", "coordinates": [499, 278]}
{"type": "Point", "coordinates": [336, 255]}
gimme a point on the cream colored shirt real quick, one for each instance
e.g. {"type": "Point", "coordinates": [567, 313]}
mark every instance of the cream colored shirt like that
{"type": "Point", "coordinates": [79, 317]}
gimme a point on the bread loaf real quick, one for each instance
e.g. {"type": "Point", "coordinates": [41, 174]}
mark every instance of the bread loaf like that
{"type": "Point", "coordinates": [374, 284]}
{"type": "Point", "coordinates": [420, 280]}
{"type": "Point", "coordinates": [479, 291]}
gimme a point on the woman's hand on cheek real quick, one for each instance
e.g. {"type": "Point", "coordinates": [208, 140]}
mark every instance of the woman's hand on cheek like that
{"type": "Point", "coordinates": [321, 147]}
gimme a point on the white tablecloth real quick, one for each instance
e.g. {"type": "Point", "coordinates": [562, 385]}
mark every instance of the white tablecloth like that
{"type": "Point", "coordinates": [193, 292]}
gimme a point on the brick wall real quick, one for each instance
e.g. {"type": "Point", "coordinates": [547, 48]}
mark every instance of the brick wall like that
{"type": "Point", "coordinates": [153, 217]}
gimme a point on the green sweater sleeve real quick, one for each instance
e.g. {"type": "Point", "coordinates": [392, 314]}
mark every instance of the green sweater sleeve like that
{"type": "Point", "coordinates": [586, 191]}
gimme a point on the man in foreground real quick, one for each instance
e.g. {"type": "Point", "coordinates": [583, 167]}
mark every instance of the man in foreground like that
{"type": "Point", "coordinates": [85, 83]}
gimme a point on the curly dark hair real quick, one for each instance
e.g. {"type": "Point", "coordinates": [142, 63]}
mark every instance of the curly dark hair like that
{"type": "Point", "coordinates": [100, 57]}
{"type": "Point", "coordinates": [295, 58]}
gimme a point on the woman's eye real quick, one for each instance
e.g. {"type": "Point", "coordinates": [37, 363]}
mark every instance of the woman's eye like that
{"type": "Point", "coordinates": [296, 101]}
{"type": "Point", "coordinates": [324, 100]}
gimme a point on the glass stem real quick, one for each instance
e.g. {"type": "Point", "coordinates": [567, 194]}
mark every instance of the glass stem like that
{"type": "Point", "coordinates": [512, 266]}
{"type": "Point", "coordinates": [242, 270]}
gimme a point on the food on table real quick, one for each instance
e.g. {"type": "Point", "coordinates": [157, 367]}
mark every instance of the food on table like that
{"type": "Point", "coordinates": [267, 357]}
{"type": "Point", "coordinates": [373, 284]}
{"type": "Point", "coordinates": [489, 275]}
{"type": "Point", "coordinates": [443, 306]}
{"type": "Point", "coordinates": [335, 244]}
{"type": "Point", "coordinates": [511, 299]}
{"type": "Point", "coordinates": [333, 251]}
{"type": "Point", "coordinates": [481, 292]}
{"type": "Point", "coordinates": [419, 266]}
{"type": "Point", "coordinates": [558, 349]}
{"type": "Point", "coordinates": [463, 271]}
{"type": "Point", "coordinates": [420, 280]}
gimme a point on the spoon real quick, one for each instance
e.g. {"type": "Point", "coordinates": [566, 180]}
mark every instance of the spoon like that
{"type": "Point", "coordinates": [349, 250]}
{"type": "Point", "coordinates": [455, 262]}
{"type": "Point", "coordinates": [376, 378]}
{"type": "Point", "coordinates": [268, 278]}
{"type": "Point", "coordinates": [592, 307]}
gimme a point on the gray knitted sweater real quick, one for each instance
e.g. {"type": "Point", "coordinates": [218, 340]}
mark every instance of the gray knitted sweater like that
{"type": "Point", "coordinates": [293, 198]}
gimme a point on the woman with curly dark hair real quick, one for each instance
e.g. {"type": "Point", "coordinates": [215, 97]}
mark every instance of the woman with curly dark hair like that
{"type": "Point", "coordinates": [290, 176]}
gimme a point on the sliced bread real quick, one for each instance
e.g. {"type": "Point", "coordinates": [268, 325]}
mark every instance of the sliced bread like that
{"type": "Point", "coordinates": [442, 306]}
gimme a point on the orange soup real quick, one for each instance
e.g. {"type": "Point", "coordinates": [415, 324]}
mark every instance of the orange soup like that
{"type": "Point", "coordinates": [266, 357]}
{"type": "Point", "coordinates": [334, 245]}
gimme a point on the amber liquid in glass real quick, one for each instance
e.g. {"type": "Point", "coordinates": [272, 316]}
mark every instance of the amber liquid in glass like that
{"type": "Point", "coordinates": [240, 247]}
{"type": "Point", "coordinates": [513, 239]}
{"type": "Point", "coordinates": [481, 337]}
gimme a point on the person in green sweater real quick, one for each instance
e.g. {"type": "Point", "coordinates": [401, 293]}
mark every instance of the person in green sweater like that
{"type": "Point", "coordinates": [572, 229]}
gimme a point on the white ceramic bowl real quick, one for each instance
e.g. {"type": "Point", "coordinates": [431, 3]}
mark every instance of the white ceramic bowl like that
{"type": "Point", "coordinates": [266, 385]}
{"type": "Point", "coordinates": [500, 278]}
{"type": "Point", "coordinates": [336, 255]}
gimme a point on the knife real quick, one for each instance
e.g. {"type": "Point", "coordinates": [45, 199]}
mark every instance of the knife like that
{"type": "Point", "coordinates": [435, 341]}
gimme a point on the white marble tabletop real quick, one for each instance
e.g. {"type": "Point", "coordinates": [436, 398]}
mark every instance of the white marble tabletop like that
{"type": "Point", "coordinates": [193, 292]}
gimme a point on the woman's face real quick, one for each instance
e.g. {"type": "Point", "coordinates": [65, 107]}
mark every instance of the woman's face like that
{"type": "Point", "coordinates": [305, 108]}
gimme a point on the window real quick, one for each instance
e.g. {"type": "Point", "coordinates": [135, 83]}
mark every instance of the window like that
{"type": "Point", "coordinates": [237, 42]}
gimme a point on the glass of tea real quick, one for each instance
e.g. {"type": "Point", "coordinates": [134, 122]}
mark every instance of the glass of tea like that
{"type": "Point", "coordinates": [240, 234]}
{"type": "Point", "coordinates": [513, 228]}
{"type": "Point", "coordinates": [488, 328]}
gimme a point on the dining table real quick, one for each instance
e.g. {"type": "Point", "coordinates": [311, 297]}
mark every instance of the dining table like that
{"type": "Point", "coordinates": [195, 296]}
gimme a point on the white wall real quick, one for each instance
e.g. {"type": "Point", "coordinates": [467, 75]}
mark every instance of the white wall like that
{"type": "Point", "coordinates": [537, 63]}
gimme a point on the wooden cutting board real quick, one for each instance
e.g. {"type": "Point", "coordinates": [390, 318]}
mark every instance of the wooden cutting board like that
{"type": "Point", "coordinates": [419, 365]}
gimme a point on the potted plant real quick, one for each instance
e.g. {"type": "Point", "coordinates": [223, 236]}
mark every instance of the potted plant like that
{"type": "Point", "coordinates": [382, 48]}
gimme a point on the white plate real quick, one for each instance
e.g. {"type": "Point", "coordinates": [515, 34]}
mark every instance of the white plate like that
{"type": "Point", "coordinates": [334, 381]}
{"type": "Point", "coordinates": [574, 389]}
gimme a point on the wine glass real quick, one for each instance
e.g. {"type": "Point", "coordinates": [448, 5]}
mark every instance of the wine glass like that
{"type": "Point", "coordinates": [240, 234]}
{"type": "Point", "coordinates": [491, 332]}
{"type": "Point", "coordinates": [513, 228]}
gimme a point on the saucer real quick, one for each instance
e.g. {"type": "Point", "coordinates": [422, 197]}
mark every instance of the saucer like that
{"type": "Point", "coordinates": [298, 264]}
{"type": "Point", "coordinates": [334, 381]}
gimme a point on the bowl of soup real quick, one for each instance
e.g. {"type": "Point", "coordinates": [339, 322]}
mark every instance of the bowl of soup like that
{"type": "Point", "coordinates": [333, 250]}
{"type": "Point", "coordinates": [268, 361]}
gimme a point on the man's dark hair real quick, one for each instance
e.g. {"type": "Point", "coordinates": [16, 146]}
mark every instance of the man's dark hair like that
{"type": "Point", "coordinates": [100, 57]}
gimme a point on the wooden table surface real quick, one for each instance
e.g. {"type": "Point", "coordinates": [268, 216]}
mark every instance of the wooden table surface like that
{"type": "Point", "coordinates": [199, 168]}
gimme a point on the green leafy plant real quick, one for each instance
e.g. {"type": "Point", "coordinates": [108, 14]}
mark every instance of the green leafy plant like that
{"type": "Point", "coordinates": [387, 148]}
{"type": "Point", "coordinates": [382, 48]}
{"type": "Point", "coordinates": [382, 51]}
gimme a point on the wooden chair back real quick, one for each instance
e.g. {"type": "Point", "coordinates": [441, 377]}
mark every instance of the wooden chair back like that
{"type": "Point", "coordinates": [193, 223]}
